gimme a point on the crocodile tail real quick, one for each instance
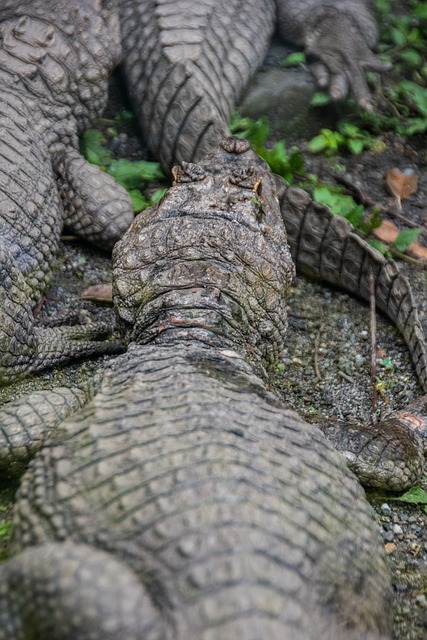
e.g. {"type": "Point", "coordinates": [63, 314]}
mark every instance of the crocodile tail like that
{"type": "Point", "coordinates": [109, 603]}
{"type": "Point", "coordinates": [197, 62]}
{"type": "Point", "coordinates": [325, 246]}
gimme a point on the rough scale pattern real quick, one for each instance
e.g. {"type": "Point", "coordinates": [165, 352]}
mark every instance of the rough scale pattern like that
{"type": "Point", "coordinates": [325, 246]}
{"type": "Point", "coordinates": [55, 59]}
{"type": "Point", "coordinates": [186, 65]}
{"type": "Point", "coordinates": [185, 501]}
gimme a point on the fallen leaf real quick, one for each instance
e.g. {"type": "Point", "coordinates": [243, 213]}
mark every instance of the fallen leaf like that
{"type": "Point", "coordinates": [99, 293]}
{"type": "Point", "coordinates": [388, 232]}
{"type": "Point", "coordinates": [418, 250]}
{"type": "Point", "coordinates": [401, 184]}
{"type": "Point", "coordinates": [390, 547]}
{"type": "Point", "coordinates": [381, 353]}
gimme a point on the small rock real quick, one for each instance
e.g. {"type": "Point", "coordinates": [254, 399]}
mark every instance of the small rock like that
{"type": "Point", "coordinates": [421, 600]}
{"type": "Point", "coordinates": [358, 360]}
{"type": "Point", "coordinates": [385, 508]}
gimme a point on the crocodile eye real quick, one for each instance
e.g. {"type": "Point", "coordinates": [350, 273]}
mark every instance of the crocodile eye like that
{"type": "Point", "coordinates": [188, 172]}
{"type": "Point", "coordinates": [246, 178]}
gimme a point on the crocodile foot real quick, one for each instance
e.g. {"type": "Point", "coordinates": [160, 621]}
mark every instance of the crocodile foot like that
{"type": "Point", "coordinates": [25, 348]}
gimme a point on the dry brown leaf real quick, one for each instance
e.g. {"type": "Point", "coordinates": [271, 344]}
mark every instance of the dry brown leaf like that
{"type": "Point", "coordinates": [386, 232]}
{"type": "Point", "coordinates": [401, 184]}
{"type": "Point", "coordinates": [418, 250]}
{"type": "Point", "coordinates": [99, 293]}
{"type": "Point", "coordinates": [390, 547]}
{"type": "Point", "coordinates": [381, 353]}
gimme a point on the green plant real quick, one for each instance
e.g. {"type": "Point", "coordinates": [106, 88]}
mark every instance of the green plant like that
{"type": "Point", "coordinates": [347, 136]}
{"type": "Point", "coordinates": [414, 495]}
{"type": "Point", "coordinates": [5, 536]}
{"type": "Point", "coordinates": [284, 163]}
{"type": "Point", "coordinates": [294, 59]}
{"type": "Point", "coordinates": [132, 175]}
{"type": "Point", "coordinates": [339, 203]}
{"type": "Point", "coordinates": [403, 43]}
{"type": "Point", "coordinates": [386, 363]}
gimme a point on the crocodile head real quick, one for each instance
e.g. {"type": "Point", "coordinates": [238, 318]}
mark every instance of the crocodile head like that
{"type": "Point", "coordinates": [210, 262]}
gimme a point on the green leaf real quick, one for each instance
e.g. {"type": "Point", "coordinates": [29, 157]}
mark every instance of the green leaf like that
{"type": "Point", "coordinates": [350, 130]}
{"type": "Point", "coordinates": [132, 174]}
{"type": "Point", "coordinates": [414, 495]}
{"type": "Point", "coordinates": [380, 247]}
{"type": "Point", "coordinates": [123, 116]}
{"type": "Point", "coordinates": [255, 131]}
{"type": "Point", "coordinates": [355, 146]}
{"type": "Point", "coordinates": [373, 222]}
{"type": "Point", "coordinates": [399, 38]}
{"type": "Point", "coordinates": [158, 195]}
{"type": "Point", "coordinates": [411, 57]}
{"type": "Point", "coordinates": [294, 59]}
{"type": "Point", "coordinates": [320, 99]}
{"type": "Point", "coordinates": [355, 216]}
{"type": "Point", "coordinates": [386, 363]}
{"type": "Point", "coordinates": [139, 202]}
{"type": "Point", "coordinates": [317, 144]}
{"type": "Point", "coordinates": [5, 530]}
{"type": "Point", "coordinates": [416, 125]}
{"type": "Point", "coordinates": [93, 148]}
{"type": "Point", "coordinates": [280, 162]}
{"type": "Point", "coordinates": [421, 11]}
{"type": "Point", "coordinates": [340, 204]}
{"type": "Point", "coordinates": [415, 94]}
{"type": "Point", "coordinates": [405, 238]}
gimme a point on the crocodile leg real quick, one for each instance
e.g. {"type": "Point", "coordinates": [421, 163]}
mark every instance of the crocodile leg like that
{"type": "Point", "coordinates": [338, 37]}
{"type": "Point", "coordinates": [55, 58]}
{"type": "Point", "coordinates": [326, 247]}
{"type": "Point", "coordinates": [25, 348]}
{"type": "Point", "coordinates": [38, 596]}
{"type": "Point", "coordinates": [96, 207]}
{"type": "Point", "coordinates": [25, 423]}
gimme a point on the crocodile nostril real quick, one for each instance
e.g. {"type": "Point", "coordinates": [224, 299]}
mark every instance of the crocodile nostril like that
{"type": "Point", "coordinates": [188, 172]}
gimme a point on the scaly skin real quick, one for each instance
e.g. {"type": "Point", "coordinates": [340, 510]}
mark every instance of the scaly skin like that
{"type": "Point", "coordinates": [325, 246]}
{"type": "Point", "coordinates": [186, 65]}
{"type": "Point", "coordinates": [186, 501]}
{"type": "Point", "coordinates": [55, 59]}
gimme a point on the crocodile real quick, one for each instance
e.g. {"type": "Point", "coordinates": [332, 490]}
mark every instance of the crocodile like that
{"type": "Point", "coordinates": [55, 62]}
{"type": "Point", "coordinates": [186, 500]}
{"type": "Point", "coordinates": [188, 63]}
{"type": "Point", "coordinates": [223, 514]}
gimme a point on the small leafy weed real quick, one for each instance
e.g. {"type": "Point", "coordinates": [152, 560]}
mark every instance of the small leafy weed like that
{"type": "Point", "coordinates": [348, 136]}
{"type": "Point", "coordinates": [386, 363]}
{"type": "Point", "coordinates": [406, 238]}
{"type": "Point", "coordinates": [414, 495]}
{"type": "Point", "coordinates": [294, 59]}
{"type": "Point", "coordinates": [132, 175]}
{"type": "Point", "coordinates": [282, 162]}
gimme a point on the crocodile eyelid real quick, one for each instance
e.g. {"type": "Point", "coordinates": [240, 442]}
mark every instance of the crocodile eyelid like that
{"type": "Point", "coordinates": [246, 178]}
{"type": "Point", "coordinates": [188, 172]}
